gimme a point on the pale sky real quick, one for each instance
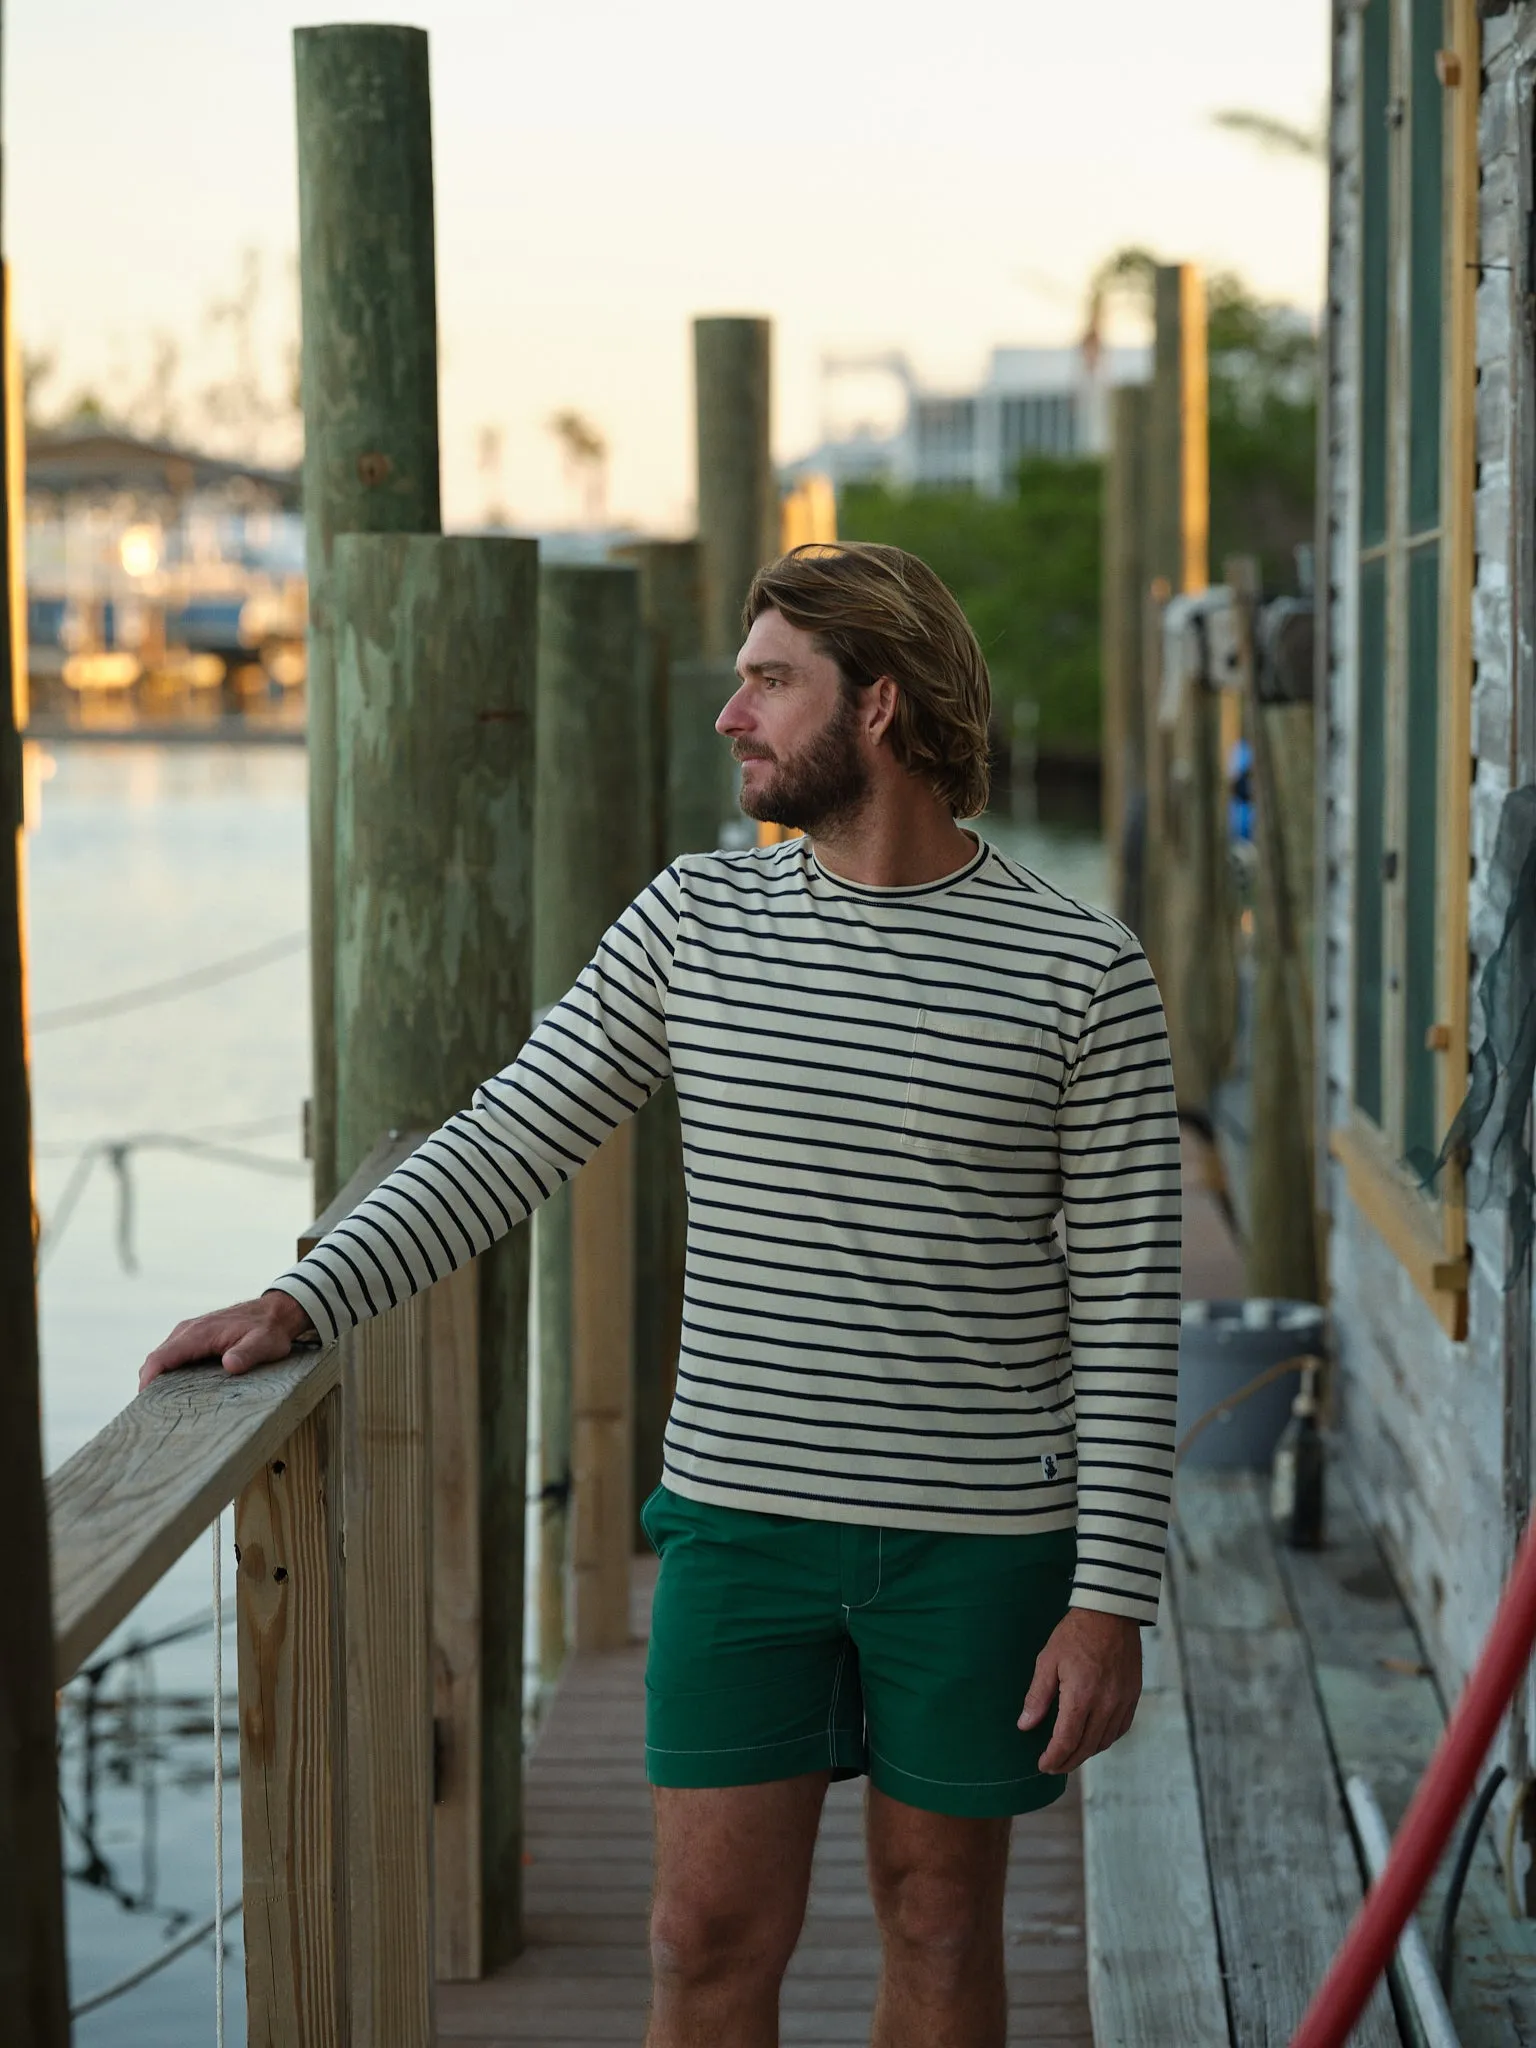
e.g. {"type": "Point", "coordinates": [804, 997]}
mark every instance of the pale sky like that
{"type": "Point", "coordinates": [935, 178]}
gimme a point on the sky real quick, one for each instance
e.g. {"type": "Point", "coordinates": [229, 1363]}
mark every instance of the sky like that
{"type": "Point", "coordinates": [872, 174]}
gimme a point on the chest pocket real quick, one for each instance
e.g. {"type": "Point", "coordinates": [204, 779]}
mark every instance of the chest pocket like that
{"type": "Point", "coordinates": [974, 1087]}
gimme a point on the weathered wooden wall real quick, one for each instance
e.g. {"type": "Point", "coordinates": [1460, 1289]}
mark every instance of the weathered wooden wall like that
{"type": "Point", "coordinates": [1424, 1416]}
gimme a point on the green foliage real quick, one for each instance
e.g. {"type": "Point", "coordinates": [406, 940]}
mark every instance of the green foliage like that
{"type": "Point", "coordinates": [1263, 411]}
{"type": "Point", "coordinates": [1026, 571]}
{"type": "Point", "coordinates": [1026, 568]}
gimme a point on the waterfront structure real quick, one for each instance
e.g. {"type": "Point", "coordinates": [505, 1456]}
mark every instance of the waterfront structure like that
{"type": "Point", "coordinates": [1032, 401]}
{"type": "Point", "coordinates": [157, 572]}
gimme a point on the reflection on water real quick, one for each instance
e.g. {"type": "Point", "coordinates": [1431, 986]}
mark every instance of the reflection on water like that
{"type": "Point", "coordinates": [147, 865]}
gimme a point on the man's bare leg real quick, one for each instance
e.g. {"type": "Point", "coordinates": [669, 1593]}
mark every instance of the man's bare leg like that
{"type": "Point", "coordinates": [938, 1886]}
{"type": "Point", "coordinates": [733, 1867]}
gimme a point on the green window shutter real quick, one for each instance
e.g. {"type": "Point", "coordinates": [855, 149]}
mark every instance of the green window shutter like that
{"type": "Point", "coordinates": [1370, 836]}
{"type": "Point", "coordinates": [1426, 265]}
{"type": "Point", "coordinates": [1376, 92]}
{"type": "Point", "coordinates": [1420, 853]}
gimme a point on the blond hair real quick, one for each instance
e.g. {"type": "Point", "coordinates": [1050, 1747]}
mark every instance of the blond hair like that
{"type": "Point", "coordinates": [879, 611]}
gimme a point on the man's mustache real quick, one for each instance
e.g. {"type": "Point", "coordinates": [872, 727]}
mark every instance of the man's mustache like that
{"type": "Point", "coordinates": [741, 753]}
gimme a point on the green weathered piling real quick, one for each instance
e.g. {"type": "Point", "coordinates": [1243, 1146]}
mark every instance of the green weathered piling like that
{"type": "Point", "coordinates": [669, 608]}
{"type": "Point", "coordinates": [738, 495]}
{"type": "Point", "coordinates": [594, 837]}
{"type": "Point", "coordinates": [435, 651]}
{"type": "Point", "coordinates": [369, 386]}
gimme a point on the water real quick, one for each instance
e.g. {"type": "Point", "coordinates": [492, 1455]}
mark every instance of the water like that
{"type": "Point", "coordinates": [149, 862]}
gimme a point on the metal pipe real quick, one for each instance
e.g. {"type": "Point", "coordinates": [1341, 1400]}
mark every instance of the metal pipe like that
{"type": "Point", "coordinates": [1416, 1973]}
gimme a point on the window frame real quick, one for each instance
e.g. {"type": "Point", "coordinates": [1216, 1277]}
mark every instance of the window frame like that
{"type": "Point", "coordinates": [1427, 1234]}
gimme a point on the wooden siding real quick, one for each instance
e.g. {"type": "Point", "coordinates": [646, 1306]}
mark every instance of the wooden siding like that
{"type": "Point", "coordinates": [1423, 1415]}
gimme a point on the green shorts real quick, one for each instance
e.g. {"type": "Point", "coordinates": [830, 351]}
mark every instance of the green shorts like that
{"type": "Point", "coordinates": [781, 1646]}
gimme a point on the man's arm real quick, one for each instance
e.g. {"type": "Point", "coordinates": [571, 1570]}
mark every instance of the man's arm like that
{"type": "Point", "coordinates": [591, 1062]}
{"type": "Point", "coordinates": [1121, 1196]}
{"type": "Point", "coordinates": [1118, 1133]}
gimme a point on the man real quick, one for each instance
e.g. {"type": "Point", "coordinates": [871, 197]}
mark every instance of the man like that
{"type": "Point", "coordinates": [917, 1469]}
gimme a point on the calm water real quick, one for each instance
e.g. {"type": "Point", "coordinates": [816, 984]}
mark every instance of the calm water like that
{"type": "Point", "coordinates": [148, 863]}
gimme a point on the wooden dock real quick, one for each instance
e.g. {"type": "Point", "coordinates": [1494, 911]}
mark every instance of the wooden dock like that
{"type": "Point", "coordinates": [583, 1979]}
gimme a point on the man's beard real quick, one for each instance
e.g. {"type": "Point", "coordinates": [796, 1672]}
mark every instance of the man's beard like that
{"type": "Point", "coordinates": [824, 784]}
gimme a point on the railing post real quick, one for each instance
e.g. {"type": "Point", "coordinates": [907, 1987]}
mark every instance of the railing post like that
{"type": "Point", "coordinates": [453, 1368]}
{"type": "Point", "coordinates": [386, 1578]}
{"type": "Point", "coordinates": [292, 1726]}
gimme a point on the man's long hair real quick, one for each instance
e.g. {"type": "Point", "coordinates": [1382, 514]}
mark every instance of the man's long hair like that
{"type": "Point", "coordinates": [879, 611]}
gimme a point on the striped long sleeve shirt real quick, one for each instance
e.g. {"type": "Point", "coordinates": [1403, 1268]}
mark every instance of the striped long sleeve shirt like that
{"type": "Point", "coordinates": [933, 1197]}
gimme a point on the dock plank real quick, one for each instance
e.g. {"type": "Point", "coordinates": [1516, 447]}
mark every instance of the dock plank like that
{"type": "Point", "coordinates": [1283, 1872]}
{"type": "Point", "coordinates": [1154, 1966]}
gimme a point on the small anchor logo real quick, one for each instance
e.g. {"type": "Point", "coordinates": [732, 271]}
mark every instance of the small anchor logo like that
{"type": "Point", "coordinates": [1048, 1463]}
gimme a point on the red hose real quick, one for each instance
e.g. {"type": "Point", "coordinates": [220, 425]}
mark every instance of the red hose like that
{"type": "Point", "coordinates": [1427, 1825]}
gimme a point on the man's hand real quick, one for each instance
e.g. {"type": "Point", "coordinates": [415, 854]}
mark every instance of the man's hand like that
{"type": "Point", "coordinates": [1094, 1662]}
{"type": "Point", "coordinates": [251, 1333]}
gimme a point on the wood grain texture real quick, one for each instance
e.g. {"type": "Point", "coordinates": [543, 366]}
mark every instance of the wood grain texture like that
{"type": "Point", "coordinates": [1283, 1872]}
{"type": "Point", "coordinates": [130, 1501]}
{"type": "Point", "coordinates": [1154, 1964]}
{"type": "Point", "coordinates": [584, 1977]}
{"type": "Point", "coordinates": [291, 1740]}
{"type": "Point", "coordinates": [453, 1373]}
{"type": "Point", "coordinates": [387, 1840]}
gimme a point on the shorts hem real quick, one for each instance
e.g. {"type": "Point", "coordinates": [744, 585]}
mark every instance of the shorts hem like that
{"type": "Point", "coordinates": [719, 1769]}
{"type": "Point", "coordinates": [962, 1801]}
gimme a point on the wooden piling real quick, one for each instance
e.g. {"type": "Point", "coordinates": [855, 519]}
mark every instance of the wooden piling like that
{"type": "Point", "coordinates": [738, 495]}
{"type": "Point", "coordinates": [669, 611]}
{"type": "Point", "coordinates": [1283, 1254]}
{"type": "Point", "coordinates": [592, 838]}
{"type": "Point", "coordinates": [1124, 802]}
{"type": "Point", "coordinates": [1177, 550]}
{"type": "Point", "coordinates": [369, 378]}
{"type": "Point", "coordinates": [435, 647]}
{"type": "Point", "coordinates": [33, 1988]}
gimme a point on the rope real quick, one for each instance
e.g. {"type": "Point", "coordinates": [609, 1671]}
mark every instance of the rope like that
{"type": "Point", "coordinates": [137, 1976]}
{"type": "Point", "coordinates": [118, 1153]}
{"type": "Point", "coordinates": [218, 1779]}
{"type": "Point", "coordinates": [175, 985]}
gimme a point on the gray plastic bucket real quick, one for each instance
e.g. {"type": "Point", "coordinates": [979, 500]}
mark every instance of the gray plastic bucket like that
{"type": "Point", "coordinates": [1223, 1345]}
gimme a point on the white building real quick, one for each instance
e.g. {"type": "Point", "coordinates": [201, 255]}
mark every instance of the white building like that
{"type": "Point", "coordinates": [1033, 401]}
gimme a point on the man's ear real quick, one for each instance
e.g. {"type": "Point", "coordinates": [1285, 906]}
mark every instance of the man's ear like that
{"type": "Point", "coordinates": [880, 711]}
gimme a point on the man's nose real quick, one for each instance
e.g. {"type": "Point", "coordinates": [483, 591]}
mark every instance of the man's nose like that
{"type": "Point", "coordinates": [735, 718]}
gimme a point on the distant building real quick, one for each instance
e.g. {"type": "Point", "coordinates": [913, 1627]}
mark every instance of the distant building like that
{"type": "Point", "coordinates": [154, 571]}
{"type": "Point", "coordinates": [1033, 401]}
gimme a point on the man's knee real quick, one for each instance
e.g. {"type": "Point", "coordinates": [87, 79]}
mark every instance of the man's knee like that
{"type": "Point", "coordinates": [697, 1941]}
{"type": "Point", "coordinates": [941, 1923]}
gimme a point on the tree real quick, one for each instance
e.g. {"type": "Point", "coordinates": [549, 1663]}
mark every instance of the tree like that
{"type": "Point", "coordinates": [1026, 572]}
{"type": "Point", "coordinates": [1263, 425]}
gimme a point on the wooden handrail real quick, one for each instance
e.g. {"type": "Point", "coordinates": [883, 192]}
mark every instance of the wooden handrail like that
{"type": "Point", "coordinates": [130, 1501]}
{"type": "Point", "coordinates": [354, 1473]}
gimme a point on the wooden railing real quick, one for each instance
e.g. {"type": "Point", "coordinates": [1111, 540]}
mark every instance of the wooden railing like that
{"type": "Point", "coordinates": [354, 1475]}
